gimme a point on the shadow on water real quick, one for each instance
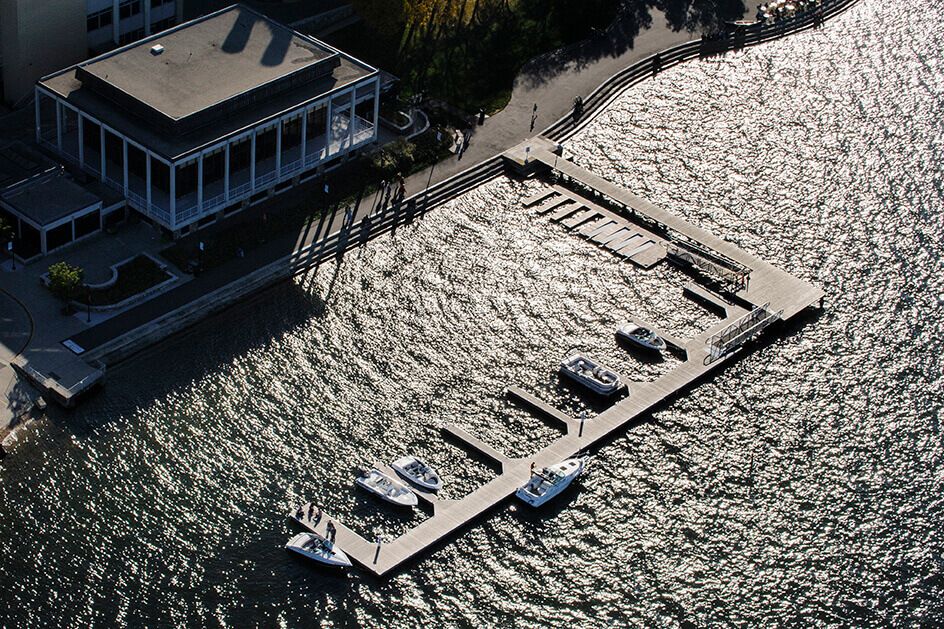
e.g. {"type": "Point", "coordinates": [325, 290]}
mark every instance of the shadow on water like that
{"type": "Point", "coordinates": [270, 314]}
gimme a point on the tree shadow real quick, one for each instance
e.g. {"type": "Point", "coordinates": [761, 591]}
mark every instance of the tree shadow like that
{"type": "Point", "coordinates": [633, 17]}
{"type": "Point", "coordinates": [238, 37]}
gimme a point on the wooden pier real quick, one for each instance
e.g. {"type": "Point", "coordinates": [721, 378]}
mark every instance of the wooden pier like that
{"type": "Point", "coordinates": [771, 292]}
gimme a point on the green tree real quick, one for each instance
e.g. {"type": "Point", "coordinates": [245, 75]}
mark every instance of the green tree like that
{"type": "Point", "coordinates": [6, 231]}
{"type": "Point", "coordinates": [65, 280]}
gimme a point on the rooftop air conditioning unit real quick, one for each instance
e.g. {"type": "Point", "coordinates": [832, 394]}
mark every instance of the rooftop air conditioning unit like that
{"type": "Point", "coordinates": [157, 49]}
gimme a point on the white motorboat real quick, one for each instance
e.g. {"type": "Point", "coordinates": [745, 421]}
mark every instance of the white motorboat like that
{"type": "Point", "coordinates": [550, 481]}
{"type": "Point", "coordinates": [319, 549]}
{"type": "Point", "coordinates": [591, 374]}
{"type": "Point", "coordinates": [641, 337]}
{"type": "Point", "coordinates": [418, 472]}
{"type": "Point", "coordinates": [387, 488]}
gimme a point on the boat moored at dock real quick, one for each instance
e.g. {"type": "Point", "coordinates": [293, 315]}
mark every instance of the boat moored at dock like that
{"type": "Point", "coordinates": [318, 549]}
{"type": "Point", "coordinates": [641, 337]}
{"type": "Point", "coordinates": [591, 374]}
{"type": "Point", "coordinates": [551, 481]}
{"type": "Point", "coordinates": [418, 472]}
{"type": "Point", "coordinates": [387, 488]}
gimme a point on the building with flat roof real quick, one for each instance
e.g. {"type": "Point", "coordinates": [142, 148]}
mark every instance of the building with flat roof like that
{"type": "Point", "coordinates": [201, 118]}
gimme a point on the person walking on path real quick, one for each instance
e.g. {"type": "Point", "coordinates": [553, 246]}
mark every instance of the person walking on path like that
{"type": "Point", "coordinates": [460, 144]}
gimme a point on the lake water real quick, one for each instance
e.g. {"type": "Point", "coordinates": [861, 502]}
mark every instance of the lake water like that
{"type": "Point", "coordinates": [802, 484]}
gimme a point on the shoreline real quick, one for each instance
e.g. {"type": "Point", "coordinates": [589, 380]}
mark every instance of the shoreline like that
{"type": "Point", "coordinates": [335, 239]}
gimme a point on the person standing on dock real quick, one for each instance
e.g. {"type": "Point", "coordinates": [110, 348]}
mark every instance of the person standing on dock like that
{"type": "Point", "coordinates": [330, 531]}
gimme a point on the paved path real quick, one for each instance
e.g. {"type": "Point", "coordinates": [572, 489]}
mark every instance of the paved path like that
{"type": "Point", "coordinates": [16, 330]}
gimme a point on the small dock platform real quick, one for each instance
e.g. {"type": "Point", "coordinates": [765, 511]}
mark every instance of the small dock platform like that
{"type": "Point", "coordinates": [471, 442]}
{"type": "Point", "coordinates": [599, 225]}
{"type": "Point", "coordinates": [562, 420]}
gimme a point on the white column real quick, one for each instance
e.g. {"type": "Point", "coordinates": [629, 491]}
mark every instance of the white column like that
{"type": "Point", "coordinates": [304, 144]}
{"type": "Point", "coordinates": [58, 125]}
{"type": "Point", "coordinates": [124, 161]}
{"type": "Point", "coordinates": [200, 184]}
{"type": "Point", "coordinates": [278, 150]}
{"type": "Point", "coordinates": [116, 21]}
{"type": "Point", "coordinates": [252, 161]}
{"type": "Point", "coordinates": [351, 118]}
{"type": "Point", "coordinates": [147, 161]}
{"type": "Point", "coordinates": [226, 173]}
{"type": "Point", "coordinates": [101, 138]}
{"type": "Point", "coordinates": [39, 122]}
{"type": "Point", "coordinates": [328, 125]}
{"type": "Point", "coordinates": [376, 120]}
{"type": "Point", "coordinates": [173, 195]}
{"type": "Point", "coordinates": [81, 140]}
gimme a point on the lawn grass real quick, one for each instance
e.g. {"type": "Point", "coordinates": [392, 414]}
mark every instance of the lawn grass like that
{"type": "Point", "coordinates": [134, 277]}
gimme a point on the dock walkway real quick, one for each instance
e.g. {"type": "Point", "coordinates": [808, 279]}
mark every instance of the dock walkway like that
{"type": "Point", "coordinates": [768, 287]}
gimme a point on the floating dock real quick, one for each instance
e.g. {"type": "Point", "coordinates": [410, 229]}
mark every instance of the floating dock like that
{"type": "Point", "coordinates": [628, 226]}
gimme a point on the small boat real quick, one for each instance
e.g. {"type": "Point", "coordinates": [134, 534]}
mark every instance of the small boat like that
{"type": "Point", "coordinates": [319, 549]}
{"type": "Point", "coordinates": [418, 472]}
{"type": "Point", "coordinates": [591, 374]}
{"type": "Point", "coordinates": [641, 337]}
{"type": "Point", "coordinates": [550, 481]}
{"type": "Point", "coordinates": [387, 488]}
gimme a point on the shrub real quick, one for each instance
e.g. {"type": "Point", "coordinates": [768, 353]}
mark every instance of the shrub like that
{"type": "Point", "coordinates": [65, 280]}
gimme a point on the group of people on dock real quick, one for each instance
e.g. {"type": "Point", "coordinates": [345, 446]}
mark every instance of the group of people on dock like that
{"type": "Point", "coordinates": [776, 10]}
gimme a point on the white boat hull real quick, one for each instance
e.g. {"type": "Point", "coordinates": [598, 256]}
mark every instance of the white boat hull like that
{"type": "Point", "coordinates": [387, 488]}
{"type": "Point", "coordinates": [589, 373]}
{"type": "Point", "coordinates": [319, 550]}
{"type": "Point", "coordinates": [651, 342]}
{"type": "Point", "coordinates": [551, 482]}
{"type": "Point", "coordinates": [418, 472]}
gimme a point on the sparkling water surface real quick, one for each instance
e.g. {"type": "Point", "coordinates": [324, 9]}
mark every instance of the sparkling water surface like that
{"type": "Point", "coordinates": [801, 485]}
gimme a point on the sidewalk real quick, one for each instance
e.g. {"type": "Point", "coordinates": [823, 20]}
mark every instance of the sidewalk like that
{"type": "Point", "coordinates": [551, 83]}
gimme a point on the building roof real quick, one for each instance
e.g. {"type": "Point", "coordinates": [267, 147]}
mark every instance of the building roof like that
{"type": "Point", "coordinates": [18, 162]}
{"type": "Point", "coordinates": [49, 198]}
{"type": "Point", "coordinates": [209, 61]}
{"type": "Point", "coordinates": [215, 76]}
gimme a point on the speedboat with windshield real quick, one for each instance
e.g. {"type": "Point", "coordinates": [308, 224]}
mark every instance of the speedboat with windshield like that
{"type": "Point", "coordinates": [551, 481]}
{"type": "Point", "coordinates": [641, 337]}
{"type": "Point", "coordinates": [591, 374]}
{"type": "Point", "coordinates": [319, 549]}
{"type": "Point", "coordinates": [387, 488]}
{"type": "Point", "coordinates": [418, 472]}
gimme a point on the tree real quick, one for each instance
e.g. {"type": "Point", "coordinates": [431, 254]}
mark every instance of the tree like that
{"type": "Point", "coordinates": [65, 280]}
{"type": "Point", "coordinates": [6, 231]}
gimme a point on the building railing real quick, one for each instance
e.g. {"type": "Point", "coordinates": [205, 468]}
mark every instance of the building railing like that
{"type": "Point", "coordinates": [214, 202]}
{"type": "Point", "coordinates": [262, 180]}
{"type": "Point", "coordinates": [187, 213]}
{"type": "Point", "coordinates": [240, 190]}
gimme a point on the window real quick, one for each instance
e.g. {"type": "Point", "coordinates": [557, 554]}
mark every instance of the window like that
{"type": "Point", "coordinates": [129, 37]}
{"type": "Point", "coordinates": [162, 25]}
{"type": "Point", "coordinates": [128, 8]}
{"type": "Point", "coordinates": [160, 3]}
{"type": "Point", "coordinates": [99, 19]}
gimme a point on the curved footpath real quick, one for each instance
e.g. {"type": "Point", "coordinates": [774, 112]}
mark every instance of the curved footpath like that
{"type": "Point", "coordinates": [589, 69]}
